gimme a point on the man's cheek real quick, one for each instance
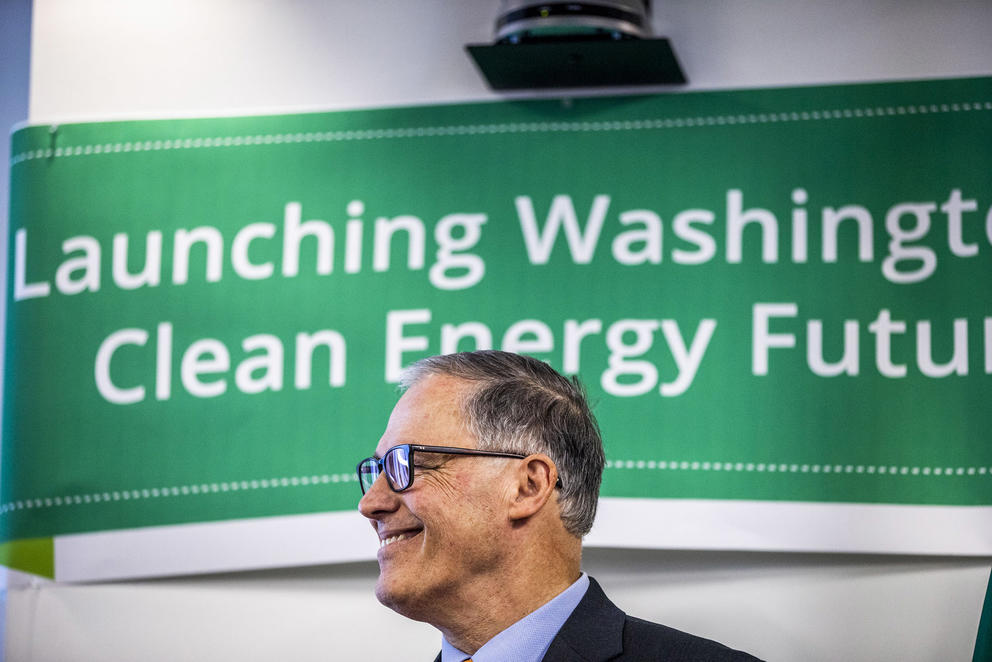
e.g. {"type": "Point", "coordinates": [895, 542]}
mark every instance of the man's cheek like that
{"type": "Point", "coordinates": [445, 488]}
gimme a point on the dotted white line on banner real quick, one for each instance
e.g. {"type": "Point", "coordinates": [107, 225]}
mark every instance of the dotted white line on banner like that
{"type": "Point", "coordinates": [487, 129]}
{"type": "Point", "coordinates": [324, 479]}
{"type": "Point", "coordinates": [774, 467]}
{"type": "Point", "coordinates": [175, 491]}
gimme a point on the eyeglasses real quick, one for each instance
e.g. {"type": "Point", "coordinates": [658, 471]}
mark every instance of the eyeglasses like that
{"type": "Point", "coordinates": [397, 464]}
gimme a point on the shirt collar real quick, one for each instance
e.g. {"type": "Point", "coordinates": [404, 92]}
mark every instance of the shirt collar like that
{"type": "Point", "coordinates": [528, 639]}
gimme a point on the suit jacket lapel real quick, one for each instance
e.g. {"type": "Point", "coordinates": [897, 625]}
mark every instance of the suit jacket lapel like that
{"type": "Point", "coordinates": [594, 631]}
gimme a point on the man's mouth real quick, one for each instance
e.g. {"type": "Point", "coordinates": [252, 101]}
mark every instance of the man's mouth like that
{"type": "Point", "coordinates": [403, 535]}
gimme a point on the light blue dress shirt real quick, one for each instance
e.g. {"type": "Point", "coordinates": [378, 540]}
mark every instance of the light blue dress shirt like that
{"type": "Point", "coordinates": [528, 639]}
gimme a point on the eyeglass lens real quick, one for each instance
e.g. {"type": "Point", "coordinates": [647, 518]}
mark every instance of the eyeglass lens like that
{"type": "Point", "coordinates": [395, 464]}
{"type": "Point", "coordinates": [368, 471]}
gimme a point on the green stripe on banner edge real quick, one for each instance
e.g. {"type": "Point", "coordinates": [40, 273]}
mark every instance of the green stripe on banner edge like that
{"type": "Point", "coordinates": [983, 643]}
{"type": "Point", "coordinates": [33, 555]}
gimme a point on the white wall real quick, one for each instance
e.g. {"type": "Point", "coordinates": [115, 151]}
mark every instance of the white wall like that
{"type": "Point", "coordinates": [15, 44]}
{"type": "Point", "coordinates": [813, 608]}
{"type": "Point", "coordinates": [100, 59]}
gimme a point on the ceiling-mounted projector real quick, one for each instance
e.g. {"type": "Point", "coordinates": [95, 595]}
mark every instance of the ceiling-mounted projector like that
{"type": "Point", "coordinates": [523, 21]}
{"type": "Point", "coordinates": [575, 44]}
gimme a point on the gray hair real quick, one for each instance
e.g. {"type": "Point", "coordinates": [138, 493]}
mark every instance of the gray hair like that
{"type": "Point", "coordinates": [522, 405]}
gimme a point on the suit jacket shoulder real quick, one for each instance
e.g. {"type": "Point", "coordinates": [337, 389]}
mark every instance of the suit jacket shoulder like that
{"type": "Point", "coordinates": [598, 631]}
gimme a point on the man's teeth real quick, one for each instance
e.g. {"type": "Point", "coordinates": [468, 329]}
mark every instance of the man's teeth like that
{"type": "Point", "coordinates": [392, 539]}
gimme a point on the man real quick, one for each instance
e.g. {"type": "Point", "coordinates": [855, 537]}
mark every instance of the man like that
{"type": "Point", "coordinates": [480, 491]}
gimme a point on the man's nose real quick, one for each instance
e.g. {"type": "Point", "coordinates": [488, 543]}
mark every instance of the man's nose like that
{"type": "Point", "coordinates": [377, 499]}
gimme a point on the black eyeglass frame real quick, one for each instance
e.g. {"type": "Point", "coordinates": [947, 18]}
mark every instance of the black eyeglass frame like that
{"type": "Point", "coordinates": [418, 448]}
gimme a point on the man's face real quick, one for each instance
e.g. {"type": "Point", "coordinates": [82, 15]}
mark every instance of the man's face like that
{"type": "Point", "coordinates": [442, 534]}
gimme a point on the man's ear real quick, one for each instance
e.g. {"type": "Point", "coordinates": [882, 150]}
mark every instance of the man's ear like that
{"type": "Point", "coordinates": [535, 483]}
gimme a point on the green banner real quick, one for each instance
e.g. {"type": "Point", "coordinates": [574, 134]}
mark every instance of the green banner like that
{"type": "Point", "coordinates": [773, 295]}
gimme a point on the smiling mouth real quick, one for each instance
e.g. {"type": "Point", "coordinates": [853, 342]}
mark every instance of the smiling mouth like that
{"type": "Point", "coordinates": [398, 537]}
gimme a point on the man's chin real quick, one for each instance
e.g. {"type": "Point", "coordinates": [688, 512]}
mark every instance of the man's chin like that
{"type": "Point", "coordinates": [403, 601]}
{"type": "Point", "coordinates": [387, 592]}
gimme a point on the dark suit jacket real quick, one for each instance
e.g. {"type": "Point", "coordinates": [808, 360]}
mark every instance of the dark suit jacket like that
{"type": "Point", "coordinates": [598, 631]}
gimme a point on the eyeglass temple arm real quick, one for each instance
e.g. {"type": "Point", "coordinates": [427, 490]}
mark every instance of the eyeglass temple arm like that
{"type": "Point", "coordinates": [471, 451]}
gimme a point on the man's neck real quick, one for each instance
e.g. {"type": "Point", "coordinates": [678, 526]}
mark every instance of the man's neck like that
{"type": "Point", "coordinates": [496, 604]}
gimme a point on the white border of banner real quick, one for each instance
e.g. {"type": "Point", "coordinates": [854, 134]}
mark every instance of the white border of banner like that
{"type": "Point", "coordinates": [340, 537]}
